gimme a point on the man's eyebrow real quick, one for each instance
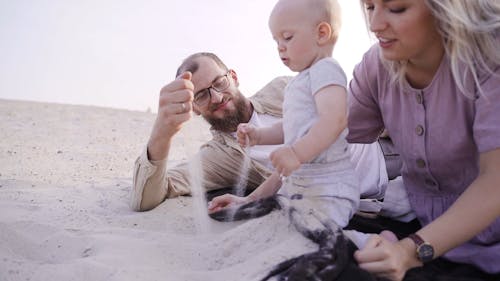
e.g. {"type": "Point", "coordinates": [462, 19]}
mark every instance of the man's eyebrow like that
{"type": "Point", "coordinates": [216, 77]}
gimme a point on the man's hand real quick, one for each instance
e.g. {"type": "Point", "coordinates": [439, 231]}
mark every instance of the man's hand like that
{"type": "Point", "coordinates": [247, 135]}
{"type": "Point", "coordinates": [227, 200]}
{"type": "Point", "coordinates": [174, 108]}
{"type": "Point", "coordinates": [285, 160]}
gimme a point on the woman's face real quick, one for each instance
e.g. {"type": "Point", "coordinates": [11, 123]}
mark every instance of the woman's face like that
{"type": "Point", "coordinates": [405, 29]}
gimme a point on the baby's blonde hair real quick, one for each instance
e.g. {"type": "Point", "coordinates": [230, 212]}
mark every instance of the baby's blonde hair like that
{"type": "Point", "coordinates": [320, 10]}
{"type": "Point", "coordinates": [471, 31]}
{"type": "Point", "coordinates": [330, 12]}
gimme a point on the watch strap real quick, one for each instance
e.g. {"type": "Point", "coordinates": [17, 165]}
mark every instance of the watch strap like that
{"type": "Point", "coordinates": [424, 251]}
{"type": "Point", "coordinates": [416, 239]}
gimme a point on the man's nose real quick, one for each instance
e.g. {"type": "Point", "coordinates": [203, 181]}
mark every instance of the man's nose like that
{"type": "Point", "coordinates": [215, 96]}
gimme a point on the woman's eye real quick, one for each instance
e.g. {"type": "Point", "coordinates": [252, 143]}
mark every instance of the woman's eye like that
{"type": "Point", "coordinates": [398, 10]}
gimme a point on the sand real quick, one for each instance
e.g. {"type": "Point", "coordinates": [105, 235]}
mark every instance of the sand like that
{"type": "Point", "coordinates": [65, 178]}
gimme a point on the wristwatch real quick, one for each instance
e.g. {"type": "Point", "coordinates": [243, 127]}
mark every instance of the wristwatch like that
{"type": "Point", "coordinates": [425, 251]}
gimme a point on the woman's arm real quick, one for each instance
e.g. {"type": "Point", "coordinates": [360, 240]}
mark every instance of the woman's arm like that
{"type": "Point", "coordinates": [475, 209]}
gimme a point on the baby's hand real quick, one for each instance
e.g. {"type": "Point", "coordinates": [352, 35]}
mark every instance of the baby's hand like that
{"type": "Point", "coordinates": [247, 135]}
{"type": "Point", "coordinates": [223, 201]}
{"type": "Point", "coordinates": [285, 160]}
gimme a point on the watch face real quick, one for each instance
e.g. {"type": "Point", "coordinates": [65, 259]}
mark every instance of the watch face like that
{"type": "Point", "coordinates": [425, 252]}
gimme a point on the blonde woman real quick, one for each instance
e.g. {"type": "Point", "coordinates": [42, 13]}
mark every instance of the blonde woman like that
{"type": "Point", "coordinates": [433, 80]}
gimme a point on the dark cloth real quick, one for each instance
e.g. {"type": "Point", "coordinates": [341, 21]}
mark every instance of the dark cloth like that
{"type": "Point", "coordinates": [379, 224]}
{"type": "Point", "coordinates": [334, 259]}
{"type": "Point", "coordinates": [439, 269]}
{"type": "Point", "coordinates": [218, 192]}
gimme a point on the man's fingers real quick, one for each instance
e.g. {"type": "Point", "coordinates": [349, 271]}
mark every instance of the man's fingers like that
{"type": "Point", "coordinates": [185, 75]}
{"type": "Point", "coordinates": [178, 91]}
{"type": "Point", "coordinates": [184, 107]}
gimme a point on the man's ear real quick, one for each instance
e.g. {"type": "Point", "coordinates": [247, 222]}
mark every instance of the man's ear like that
{"type": "Point", "coordinates": [324, 33]}
{"type": "Point", "coordinates": [233, 75]}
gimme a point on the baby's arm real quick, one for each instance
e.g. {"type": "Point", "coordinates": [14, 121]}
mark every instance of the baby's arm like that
{"type": "Point", "coordinates": [249, 135]}
{"type": "Point", "coordinates": [269, 187]}
{"type": "Point", "coordinates": [331, 103]}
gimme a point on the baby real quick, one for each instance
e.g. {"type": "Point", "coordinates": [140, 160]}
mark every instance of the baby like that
{"type": "Point", "coordinates": [313, 168]}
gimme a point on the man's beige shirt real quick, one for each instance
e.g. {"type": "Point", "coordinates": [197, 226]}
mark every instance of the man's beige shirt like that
{"type": "Point", "coordinates": [221, 158]}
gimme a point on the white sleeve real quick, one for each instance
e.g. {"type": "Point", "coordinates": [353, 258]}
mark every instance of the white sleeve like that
{"type": "Point", "coordinates": [369, 164]}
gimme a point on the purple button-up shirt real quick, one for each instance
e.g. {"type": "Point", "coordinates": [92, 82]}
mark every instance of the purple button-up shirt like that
{"type": "Point", "coordinates": [439, 133]}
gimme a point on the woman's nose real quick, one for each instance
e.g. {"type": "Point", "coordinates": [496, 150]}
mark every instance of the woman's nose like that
{"type": "Point", "coordinates": [377, 20]}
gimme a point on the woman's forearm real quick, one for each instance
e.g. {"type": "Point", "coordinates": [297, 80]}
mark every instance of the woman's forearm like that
{"type": "Point", "coordinates": [473, 212]}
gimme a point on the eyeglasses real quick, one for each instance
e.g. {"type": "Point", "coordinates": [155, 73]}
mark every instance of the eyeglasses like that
{"type": "Point", "coordinates": [202, 97]}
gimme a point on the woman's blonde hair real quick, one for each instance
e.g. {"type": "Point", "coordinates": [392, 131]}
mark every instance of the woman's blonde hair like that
{"type": "Point", "coordinates": [471, 36]}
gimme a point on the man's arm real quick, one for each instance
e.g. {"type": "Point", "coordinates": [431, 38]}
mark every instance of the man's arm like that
{"type": "Point", "coordinates": [221, 160]}
{"type": "Point", "coordinates": [174, 109]}
{"type": "Point", "coordinates": [220, 163]}
{"type": "Point", "coordinates": [150, 178]}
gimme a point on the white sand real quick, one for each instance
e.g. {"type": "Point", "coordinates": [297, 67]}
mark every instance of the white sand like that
{"type": "Point", "coordinates": [65, 177]}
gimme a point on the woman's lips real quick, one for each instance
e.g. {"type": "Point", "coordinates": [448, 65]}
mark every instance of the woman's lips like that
{"type": "Point", "coordinates": [386, 43]}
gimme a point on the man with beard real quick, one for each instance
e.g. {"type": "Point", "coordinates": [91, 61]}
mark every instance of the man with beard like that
{"type": "Point", "coordinates": [206, 86]}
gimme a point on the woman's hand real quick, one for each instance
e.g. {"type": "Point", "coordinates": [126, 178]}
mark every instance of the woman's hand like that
{"type": "Point", "coordinates": [223, 201]}
{"type": "Point", "coordinates": [386, 257]}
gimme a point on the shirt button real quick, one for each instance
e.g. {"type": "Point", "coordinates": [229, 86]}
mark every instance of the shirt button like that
{"type": "Point", "coordinates": [419, 130]}
{"type": "Point", "coordinates": [420, 163]}
{"type": "Point", "coordinates": [430, 182]}
{"type": "Point", "coordinates": [420, 98]}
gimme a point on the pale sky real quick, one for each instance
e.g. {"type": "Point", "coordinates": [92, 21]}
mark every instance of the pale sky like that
{"type": "Point", "coordinates": [119, 53]}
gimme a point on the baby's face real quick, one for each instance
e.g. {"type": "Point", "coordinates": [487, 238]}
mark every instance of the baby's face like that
{"type": "Point", "coordinates": [295, 35]}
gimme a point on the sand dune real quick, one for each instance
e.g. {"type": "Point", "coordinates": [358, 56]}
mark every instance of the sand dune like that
{"type": "Point", "coordinates": [65, 178]}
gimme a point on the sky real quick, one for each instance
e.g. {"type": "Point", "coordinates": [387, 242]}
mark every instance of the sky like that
{"type": "Point", "coordinates": [120, 53]}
